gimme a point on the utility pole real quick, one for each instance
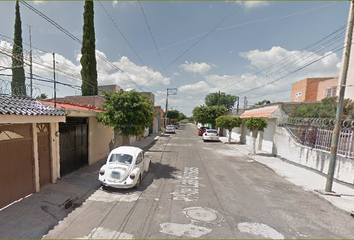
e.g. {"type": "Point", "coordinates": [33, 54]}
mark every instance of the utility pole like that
{"type": "Point", "coordinates": [170, 91]}
{"type": "Point", "coordinates": [55, 84]}
{"type": "Point", "coordinates": [219, 99]}
{"type": "Point", "coordinates": [338, 122]}
{"type": "Point", "coordinates": [238, 104]}
{"type": "Point", "coordinates": [245, 103]}
{"type": "Point", "coordinates": [31, 73]}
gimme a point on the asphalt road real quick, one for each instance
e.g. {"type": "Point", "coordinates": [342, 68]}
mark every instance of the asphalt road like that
{"type": "Point", "coordinates": [204, 190]}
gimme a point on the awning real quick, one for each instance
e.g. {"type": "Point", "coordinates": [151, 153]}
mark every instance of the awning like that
{"type": "Point", "coordinates": [258, 113]}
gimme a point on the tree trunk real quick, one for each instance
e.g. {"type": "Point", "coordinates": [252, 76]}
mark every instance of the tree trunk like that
{"type": "Point", "coordinates": [126, 140]}
{"type": "Point", "coordinates": [230, 135]}
{"type": "Point", "coordinates": [253, 142]}
{"type": "Point", "coordinates": [114, 143]}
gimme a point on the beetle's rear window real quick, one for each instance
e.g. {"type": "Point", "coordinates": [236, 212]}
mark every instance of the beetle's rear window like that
{"type": "Point", "coordinates": [211, 131]}
{"type": "Point", "coordinates": [121, 158]}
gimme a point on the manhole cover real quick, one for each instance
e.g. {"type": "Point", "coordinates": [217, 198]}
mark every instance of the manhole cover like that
{"type": "Point", "coordinates": [202, 214]}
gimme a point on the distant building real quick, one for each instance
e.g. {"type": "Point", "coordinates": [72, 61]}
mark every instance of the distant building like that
{"type": "Point", "coordinates": [314, 89]}
{"type": "Point", "coordinates": [151, 96]}
{"type": "Point", "coordinates": [108, 88]}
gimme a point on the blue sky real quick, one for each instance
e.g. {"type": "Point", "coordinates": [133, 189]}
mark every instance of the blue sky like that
{"type": "Point", "coordinates": [254, 48]}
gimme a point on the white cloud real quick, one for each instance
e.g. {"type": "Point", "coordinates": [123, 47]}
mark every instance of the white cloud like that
{"type": "Point", "coordinates": [253, 4]}
{"type": "Point", "coordinates": [39, 2]}
{"type": "Point", "coordinates": [201, 68]}
{"type": "Point", "coordinates": [277, 68]}
{"type": "Point", "coordinates": [133, 74]}
{"type": "Point", "coordinates": [199, 87]}
{"type": "Point", "coordinates": [278, 62]}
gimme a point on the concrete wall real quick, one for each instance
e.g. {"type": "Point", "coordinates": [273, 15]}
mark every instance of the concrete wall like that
{"type": "Point", "coordinates": [98, 140]}
{"type": "Point", "coordinates": [267, 136]}
{"type": "Point", "coordinates": [286, 147]}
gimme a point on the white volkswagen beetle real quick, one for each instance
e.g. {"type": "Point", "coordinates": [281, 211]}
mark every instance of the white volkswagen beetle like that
{"type": "Point", "coordinates": [125, 168]}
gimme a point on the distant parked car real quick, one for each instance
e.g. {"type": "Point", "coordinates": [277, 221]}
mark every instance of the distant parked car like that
{"type": "Point", "coordinates": [125, 168]}
{"type": "Point", "coordinates": [170, 129]}
{"type": "Point", "coordinates": [176, 125]}
{"type": "Point", "coordinates": [210, 135]}
{"type": "Point", "coordinates": [202, 130]}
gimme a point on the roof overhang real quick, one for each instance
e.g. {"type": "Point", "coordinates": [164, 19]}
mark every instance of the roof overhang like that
{"type": "Point", "coordinates": [16, 119]}
{"type": "Point", "coordinates": [259, 112]}
{"type": "Point", "coordinates": [76, 111]}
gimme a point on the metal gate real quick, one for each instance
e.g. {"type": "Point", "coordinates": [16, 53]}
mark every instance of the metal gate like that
{"type": "Point", "coordinates": [44, 154]}
{"type": "Point", "coordinates": [16, 164]}
{"type": "Point", "coordinates": [73, 144]}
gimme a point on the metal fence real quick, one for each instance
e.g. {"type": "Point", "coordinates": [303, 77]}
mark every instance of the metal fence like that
{"type": "Point", "coordinates": [317, 134]}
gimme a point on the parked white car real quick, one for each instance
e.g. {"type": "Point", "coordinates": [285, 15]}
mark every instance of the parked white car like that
{"type": "Point", "coordinates": [170, 129]}
{"type": "Point", "coordinates": [210, 135]}
{"type": "Point", "coordinates": [125, 168]}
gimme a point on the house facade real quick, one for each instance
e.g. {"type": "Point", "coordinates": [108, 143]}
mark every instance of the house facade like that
{"type": "Point", "coordinates": [83, 140]}
{"type": "Point", "coordinates": [29, 147]}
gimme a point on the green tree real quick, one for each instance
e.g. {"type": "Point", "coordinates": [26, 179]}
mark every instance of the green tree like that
{"type": "Point", "coordinates": [173, 114]}
{"type": "Point", "coordinates": [262, 102]}
{"type": "Point", "coordinates": [128, 113]}
{"type": "Point", "coordinates": [88, 58]}
{"type": "Point", "coordinates": [216, 99]}
{"type": "Point", "coordinates": [228, 122]}
{"type": "Point", "coordinates": [205, 114]}
{"type": "Point", "coordinates": [181, 116]}
{"type": "Point", "coordinates": [326, 109]}
{"type": "Point", "coordinates": [18, 86]}
{"type": "Point", "coordinates": [42, 96]}
{"type": "Point", "coordinates": [255, 124]}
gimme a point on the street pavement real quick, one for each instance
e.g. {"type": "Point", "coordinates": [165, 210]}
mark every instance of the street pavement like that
{"type": "Point", "coordinates": [36, 215]}
{"type": "Point", "coordinates": [309, 180]}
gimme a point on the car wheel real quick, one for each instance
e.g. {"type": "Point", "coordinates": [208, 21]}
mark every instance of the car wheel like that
{"type": "Point", "coordinates": [137, 185]}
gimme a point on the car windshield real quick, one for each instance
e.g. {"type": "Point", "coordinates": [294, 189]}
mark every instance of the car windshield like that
{"type": "Point", "coordinates": [121, 158]}
{"type": "Point", "coordinates": [170, 127]}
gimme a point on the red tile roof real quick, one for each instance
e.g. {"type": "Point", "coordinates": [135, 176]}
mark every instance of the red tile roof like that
{"type": "Point", "coordinates": [71, 106]}
{"type": "Point", "coordinates": [258, 113]}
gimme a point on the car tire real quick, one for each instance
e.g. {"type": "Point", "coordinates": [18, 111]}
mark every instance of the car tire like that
{"type": "Point", "coordinates": [137, 185]}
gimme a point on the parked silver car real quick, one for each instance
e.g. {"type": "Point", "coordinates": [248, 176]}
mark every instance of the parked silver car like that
{"type": "Point", "coordinates": [170, 129]}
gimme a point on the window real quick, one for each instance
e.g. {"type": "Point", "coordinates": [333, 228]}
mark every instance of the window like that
{"type": "Point", "coordinates": [121, 158]}
{"type": "Point", "coordinates": [139, 159]}
{"type": "Point", "coordinates": [331, 92]}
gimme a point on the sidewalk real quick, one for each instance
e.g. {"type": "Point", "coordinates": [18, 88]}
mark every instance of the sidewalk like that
{"type": "Point", "coordinates": [34, 215]}
{"type": "Point", "coordinates": [306, 178]}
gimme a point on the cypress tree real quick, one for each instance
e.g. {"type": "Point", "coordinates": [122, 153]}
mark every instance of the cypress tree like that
{"type": "Point", "coordinates": [18, 87]}
{"type": "Point", "coordinates": [88, 59]}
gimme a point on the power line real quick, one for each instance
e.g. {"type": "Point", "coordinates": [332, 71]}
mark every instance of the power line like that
{"type": "Point", "coordinates": [197, 42]}
{"type": "Point", "coordinates": [121, 32]}
{"type": "Point", "coordinates": [279, 64]}
{"type": "Point", "coordinates": [152, 36]}
{"type": "Point", "coordinates": [300, 68]}
{"type": "Point", "coordinates": [78, 41]}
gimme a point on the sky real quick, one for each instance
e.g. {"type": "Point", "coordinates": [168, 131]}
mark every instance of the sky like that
{"type": "Point", "coordinates": [251, 49]}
